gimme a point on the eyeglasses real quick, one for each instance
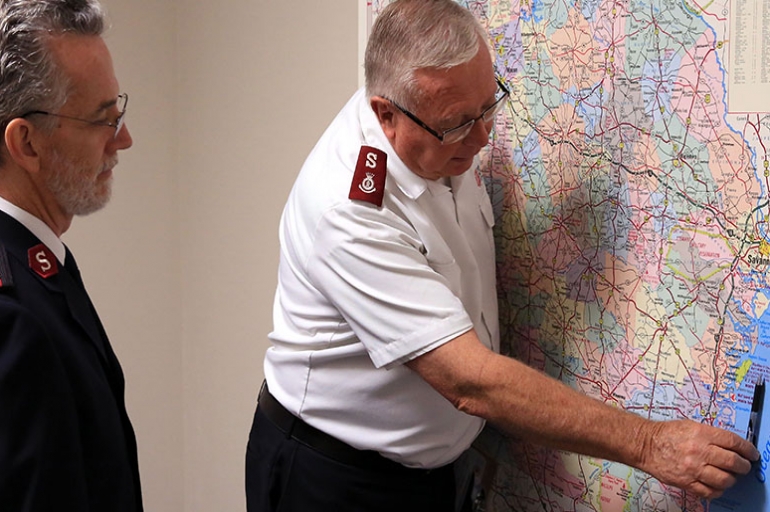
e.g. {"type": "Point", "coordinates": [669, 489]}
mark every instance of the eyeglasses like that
{"type": "Point", "coordinates": [460, 132]}
{"type": "Point", "coordinates": [122, 104]}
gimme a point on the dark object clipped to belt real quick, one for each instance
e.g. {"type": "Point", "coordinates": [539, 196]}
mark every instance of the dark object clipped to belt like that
{"type": "Point", "coordinates": [323, 443]}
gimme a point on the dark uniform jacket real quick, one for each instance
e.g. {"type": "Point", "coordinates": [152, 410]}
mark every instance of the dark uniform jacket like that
{"type": "Point", "coordinates": [66, 443]}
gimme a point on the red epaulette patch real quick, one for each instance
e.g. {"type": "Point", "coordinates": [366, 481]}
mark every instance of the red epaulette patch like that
{"type": "Point", "coordinates": [43, 261]}
{"type": "Point", "coordinates": [369, 179]}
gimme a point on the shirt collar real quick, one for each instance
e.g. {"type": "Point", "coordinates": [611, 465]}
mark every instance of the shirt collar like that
{"type": "Point", "coordinates": [38, 228]}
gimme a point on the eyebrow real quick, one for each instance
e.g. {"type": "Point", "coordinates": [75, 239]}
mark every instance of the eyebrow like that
{"type": "Point", "coordinates": [471, 118]}
{"type": "Point", "coordinates": [107, 104]}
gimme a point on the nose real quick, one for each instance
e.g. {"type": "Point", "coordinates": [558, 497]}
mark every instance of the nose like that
{"type": "Point", "coordinates": [123, 138]}
{"type": "Point", "coordinates": [479, 134]}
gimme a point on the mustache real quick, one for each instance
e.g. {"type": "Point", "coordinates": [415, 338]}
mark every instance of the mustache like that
{"type": "Point", "coordinates": [109, 164]}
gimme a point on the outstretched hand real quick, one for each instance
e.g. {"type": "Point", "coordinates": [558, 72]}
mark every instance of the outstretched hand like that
{"type": "Point", "coordinates": [697, 458]}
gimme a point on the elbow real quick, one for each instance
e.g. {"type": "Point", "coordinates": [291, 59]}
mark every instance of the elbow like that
{"type": "Point", "coordinates": [469, 404]}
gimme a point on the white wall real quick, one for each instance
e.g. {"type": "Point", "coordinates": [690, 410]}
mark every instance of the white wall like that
{"type": "Point", "coordinates": [226, 100]}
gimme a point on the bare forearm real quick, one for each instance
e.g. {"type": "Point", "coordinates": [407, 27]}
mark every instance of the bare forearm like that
{"type": "Point", "coordinates": [533, 406]}
{"type": "Point", "coordinates": [530, 405]}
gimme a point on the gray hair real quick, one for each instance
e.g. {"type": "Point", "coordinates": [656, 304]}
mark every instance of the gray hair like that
{"type": "Point", "coordinates": [410, 35]}
{"type": "Point", "coordinates": [29, 75]}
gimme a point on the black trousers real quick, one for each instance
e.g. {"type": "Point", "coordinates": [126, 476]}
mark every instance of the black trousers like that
{"type": "Point", "coordinates": [285, 475]}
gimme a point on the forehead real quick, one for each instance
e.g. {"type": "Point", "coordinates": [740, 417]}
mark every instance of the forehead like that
{"type": "Point", "coordinates": [86, 63]}
{"type": "Point", "coordinates": [463, 89]}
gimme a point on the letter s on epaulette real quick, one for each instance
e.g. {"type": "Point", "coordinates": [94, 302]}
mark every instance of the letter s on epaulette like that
{"type": "Point", "coordinates": [6, 278]}
{"type": "Point", "coordinates": [369, 179]}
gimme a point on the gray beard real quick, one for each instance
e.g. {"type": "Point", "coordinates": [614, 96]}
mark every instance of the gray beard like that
{"type": "Point", "coordinates": [75, 191]}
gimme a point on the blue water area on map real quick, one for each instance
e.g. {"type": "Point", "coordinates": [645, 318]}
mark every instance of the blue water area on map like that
{"type": "Point", "coordinates": [751, 493]}
{"type": "Point", "coordinates": [759, 358]}
{"type": "Point", "coordinates": [763, 327]}
{"type": "Point", "coordinates": [536, 12]}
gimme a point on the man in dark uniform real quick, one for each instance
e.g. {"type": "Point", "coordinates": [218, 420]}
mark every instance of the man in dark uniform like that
{"type": "Point", "coordinates": [66, 443]}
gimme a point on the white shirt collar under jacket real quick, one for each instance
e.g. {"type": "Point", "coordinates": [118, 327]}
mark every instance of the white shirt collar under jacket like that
{"type": "Point", "coordinates": [38, 228]}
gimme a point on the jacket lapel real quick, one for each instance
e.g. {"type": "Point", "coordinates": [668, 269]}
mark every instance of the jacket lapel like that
{"type": "Point", "coordinates": [18, 240]}
{"type": "Point", "coordinates": [80, 306]}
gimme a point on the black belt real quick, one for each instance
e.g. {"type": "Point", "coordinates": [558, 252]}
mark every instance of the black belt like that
{"type": "Point", "coordinates": [323, 443]}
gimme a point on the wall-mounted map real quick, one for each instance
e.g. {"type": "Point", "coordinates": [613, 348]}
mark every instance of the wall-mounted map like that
{"type": "Point", "coordinates": [632, 233]}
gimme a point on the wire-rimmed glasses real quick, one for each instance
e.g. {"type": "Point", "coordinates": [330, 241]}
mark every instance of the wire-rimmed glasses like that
{"type": "Point", "coordinates": [460, 132]}
{"type": "Point", "coordinates": [122, 104]}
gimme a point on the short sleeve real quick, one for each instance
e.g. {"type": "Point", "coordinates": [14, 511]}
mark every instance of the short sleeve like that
{"type": "Point", "coordinates": [370, 265]}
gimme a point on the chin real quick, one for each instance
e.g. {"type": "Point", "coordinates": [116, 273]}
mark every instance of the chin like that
{"type": "Point", "coordinates": [91, 203]}
{"type": "Point", "coordinates": [459, 166]}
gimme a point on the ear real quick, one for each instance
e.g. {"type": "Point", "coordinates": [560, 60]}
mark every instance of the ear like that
{"type": "Point", "coordinates": [386, 115]}
{"type": "Point", "coordinates": [21, 145]}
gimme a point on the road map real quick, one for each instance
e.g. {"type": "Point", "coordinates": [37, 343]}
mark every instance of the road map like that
{"type": "Point", "coordinates": [631, 204]}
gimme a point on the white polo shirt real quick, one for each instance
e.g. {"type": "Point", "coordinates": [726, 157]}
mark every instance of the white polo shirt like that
{"type": "Point", "coordinates": [363, 289]}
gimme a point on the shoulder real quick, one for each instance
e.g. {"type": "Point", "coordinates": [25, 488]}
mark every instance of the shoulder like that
{"type": "Point", "coordinates": [28, 356]}
{"type": "Point", "coordinates": [19, 309]}
{"type": "Point", "coordinates": [345, 152]}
